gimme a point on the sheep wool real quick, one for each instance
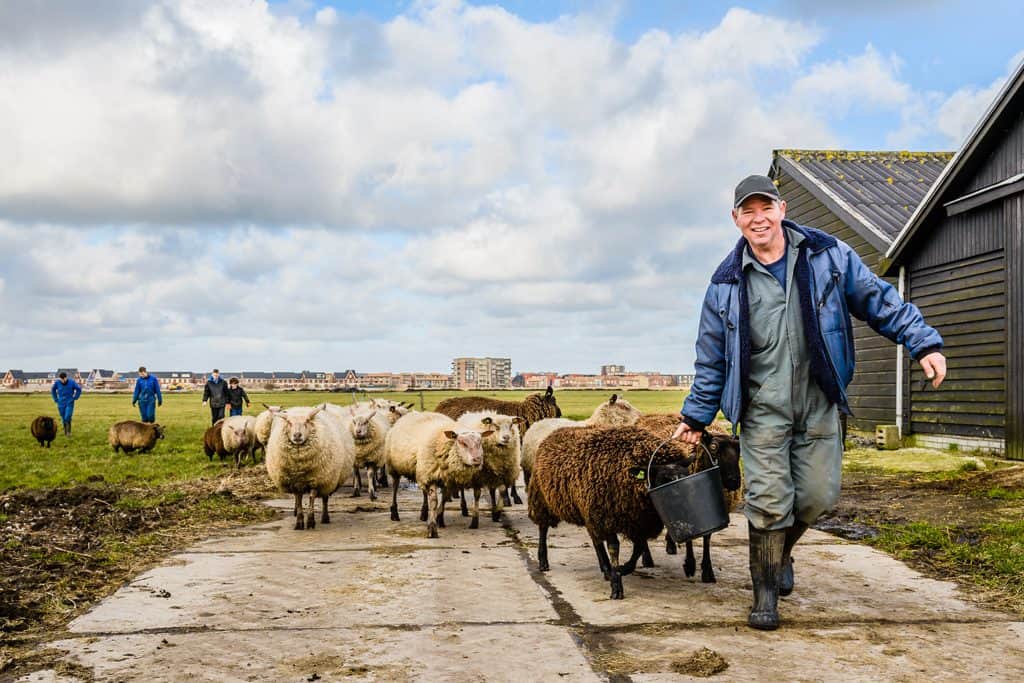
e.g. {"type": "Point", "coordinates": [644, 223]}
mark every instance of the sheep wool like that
{"type": "Point", "coordinates": [44, 430]}
{"type": "Point", "coordinates": [532, 408]}
{"type": "Point", "coordinates": [502, 454]}
{"type": "Point", "coordinates": [130, 436]}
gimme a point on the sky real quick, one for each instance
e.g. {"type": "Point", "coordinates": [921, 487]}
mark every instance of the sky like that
{"type": "Point", "coordinates": [385, 186]}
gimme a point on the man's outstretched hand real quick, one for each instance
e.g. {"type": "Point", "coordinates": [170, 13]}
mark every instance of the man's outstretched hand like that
{"type": "Point", "coordinates": [934, 366]}
{"type": "Point", "coordinates": [686, 434]}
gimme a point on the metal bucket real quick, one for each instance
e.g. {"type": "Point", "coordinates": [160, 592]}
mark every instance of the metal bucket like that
{"type": "Point", "coordinates": [692, 506]}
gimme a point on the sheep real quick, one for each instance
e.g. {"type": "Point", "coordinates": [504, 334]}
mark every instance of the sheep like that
{"type": "Point", "coordinates": [614, 412]}
{"type": "Point", "coordinates": [593, 477]}
{"type": "Point", "coordinates": [44, 430]}
{"type": "Point", "coordinates": [261, 430]}
{"type": "Point", "coordinates": [307, 453]}
{"type": "Point", "coordinates": [392, 409]}
{"type": "Point", "coordinates": [435, 451]}
{"type": "Point", "coordinates": [533, 408]}
{"type": "Point", "coordinates": [130, 436]}
{"type": "Point", "coordinates": [368, 427]}
{"type": "Point", "coordinates": [501, 459]}
{"type": "Point", "coordinates": [716, 442]}
{"type": "Point", "coordinates": [238, 434]}
{"type": "Point", "coordinates": [213, 440]}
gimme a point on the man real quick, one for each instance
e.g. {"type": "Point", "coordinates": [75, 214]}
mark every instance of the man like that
{"type": "Point", "coordinates": [147, 395]}
{"type": "Point", "coordinates": [775, 353]}
{"type": "Point", "coordinates": [65, 391]}
{"type": "Point", "coordinates": [216, 393]}
{"type": "Point", "coordinates": [236, 394]}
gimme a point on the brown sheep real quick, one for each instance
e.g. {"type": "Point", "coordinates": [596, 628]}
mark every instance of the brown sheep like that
{"type": "Point", "coordinates": [213, 441]}
{"type": "Point", "coordinates": [130, 436]}
{"type": "Point", "coordinates": [591, 477]}
{"type": "Point", "coordinates": [726, 450]}
{"type": "Point", "coordinates": [44, 430]}
{"type": "Point", "coordinates": [531, 409]}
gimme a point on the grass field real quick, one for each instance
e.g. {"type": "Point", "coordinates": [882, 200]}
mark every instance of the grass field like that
{"type": "Point", "coordinates": [86, 455]}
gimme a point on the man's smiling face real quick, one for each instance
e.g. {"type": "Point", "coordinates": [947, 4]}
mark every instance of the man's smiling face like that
{"type": "Point", "coordinates": [759, 218]}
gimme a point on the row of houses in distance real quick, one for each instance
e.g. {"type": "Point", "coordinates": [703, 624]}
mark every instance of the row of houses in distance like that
{"type": "Point", "coordinates": [611, 377]}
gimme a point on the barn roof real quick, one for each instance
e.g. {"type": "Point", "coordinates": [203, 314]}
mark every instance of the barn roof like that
{"type": "Point", "coordinates": [874, 192]}
{"type": "Point", "coordinates": [1006, 103]}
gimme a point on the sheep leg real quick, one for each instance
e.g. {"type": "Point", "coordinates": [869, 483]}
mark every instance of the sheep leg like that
{"type": "Point", "coordinates": [430, 493]}
{"type": "Point", "coordinates": [357, 485]}
{"type": "Point", "coordinates": [647, 560]}
{"type": "Point", "coordinates": [325, 517]}
{"type": "Point", "coordinates": [424, 509]}
{"type": "Point", "coordinates": [440, 511]}
{"type": "Point", "coordinates": [640, 548]}
{"type": "Point", "coordinates": [475, 521]}
{"type": "Point", "coordinates": [542, 549]}
{"type": "Point", "coordinates": [602, 556]}
{"type": "Point", "coordinates": [462, 503]}
{"type": "Point", "coordinates": [394, 499]}
{"type": "Point", "coordinates": [300, 521]}
{"type": "Point", "coordinates": [515, 495]}
{"type": "Point", "coordinates": [504, 495]}
{"type": "Point", "coordinates": [670, 545]}
{"type": "Point", "coordinates": [383, 476]}
{"type": "Point", "coordinates": [371, 482]}
{"type": "Point", "coordinates": [707, 572]}
{"type": "Point", "coordinates": [496, 506]}
{"type": "Point", "coordinates": [690, 563]}
{"type": "Point", "coordinates": [613, 549]}
{"type": "Point", "coordinates": [311, 515]}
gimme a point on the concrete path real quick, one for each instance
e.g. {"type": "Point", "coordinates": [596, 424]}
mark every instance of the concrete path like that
{"type": "Point", "coordinates": [364, 598]}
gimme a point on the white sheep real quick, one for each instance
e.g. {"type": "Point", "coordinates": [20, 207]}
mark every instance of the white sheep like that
{"type": "Point", "coordinates": [369, 427]}
{"type": "Point", "coordinates": [264, 421]}
{"type": "Point", "coordinates": [307, 452]}
{"type": "Point", "coordinates": [615, 412]}
{"type": "Point", "coordinates": [238, 433]}
{"type": "Point", "coordinates": [502, 452]}
{"type": "Point", "coordinates": [434, 451]}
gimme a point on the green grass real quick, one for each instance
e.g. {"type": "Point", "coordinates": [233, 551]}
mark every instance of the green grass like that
{"type": "Point", "coordinates": [991, 555]}
{"type": "Point", "coordinates": [919, 460]}
{"type": "Point", "coordinates": [87, 457]}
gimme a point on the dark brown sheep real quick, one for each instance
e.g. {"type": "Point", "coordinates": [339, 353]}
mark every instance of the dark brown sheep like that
{"type": "Point", "coordinates": [130, 436]}
{"type": "Point", "coordinates": [531, 409]}
{"type": "Point", "coordinates": [726, 450]}
{"type": "Point", "coordinates": [44, 430]}
{"type": "Point", "coordinates": [213, 441]}
{"type": "Point", "coordinates": [590, 477]}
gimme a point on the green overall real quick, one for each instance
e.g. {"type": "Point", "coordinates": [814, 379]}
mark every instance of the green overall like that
{"type": "Point", "coordinates": [790, 440]}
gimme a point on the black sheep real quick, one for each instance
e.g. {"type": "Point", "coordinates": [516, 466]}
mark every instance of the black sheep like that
{"type": "Point", "coordinates": [44, 430]}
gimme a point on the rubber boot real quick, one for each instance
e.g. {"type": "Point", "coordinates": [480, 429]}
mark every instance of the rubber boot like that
{"type": "Point", "coordinates": [765, 568]}
{"type": "Point", "coordinates": [793, 535]}
{"type": "Point", "coordinates": [67, 429]}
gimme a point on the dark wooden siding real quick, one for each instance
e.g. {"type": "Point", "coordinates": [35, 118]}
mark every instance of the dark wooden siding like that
{"type": "Point", "coordinates": [1005, 160]}
{"type": "Point", "coordinates": [1014, 221]}
{"type": "Point", "coordinates": [966, 302]}
{"type": "Point", "coordinates": [961, 236]}
{"type": "Point", "coordinates": [873, 390]}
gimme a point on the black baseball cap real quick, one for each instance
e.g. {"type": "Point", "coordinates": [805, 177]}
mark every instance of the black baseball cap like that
{"type": "Point", "coordinates": [755, 184]}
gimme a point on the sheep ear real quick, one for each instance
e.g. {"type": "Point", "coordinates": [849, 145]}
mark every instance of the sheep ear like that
{"type": "Point", "coordinates": [267, 407]}
{"type": "Point", "coordinates": [639, 473]}
{"type": "Point", "coordinates": [450, 434]}
{"type": "Point", "coordinates": [410, 405]}
{"type": "Point", "coordinates": [550, 391]}
{"type": "Point", "coordinates": [484, 435]}
{"type": "Point", "coordinates": [309, 418]}
{"type": "Point", "coordinates": [613, 399]}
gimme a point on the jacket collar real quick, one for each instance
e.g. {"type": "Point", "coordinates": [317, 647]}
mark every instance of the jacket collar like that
{"type": "Point", "coordinates": [729, 270]}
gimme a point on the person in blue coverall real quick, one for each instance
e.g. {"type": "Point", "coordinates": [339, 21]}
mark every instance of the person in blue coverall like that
{"type": "Point", "coordinates": [775, 353]}
{"type": "Point", "coordinates": [65, 391]}
{"type": "Point", "coordinates": [147, 395]}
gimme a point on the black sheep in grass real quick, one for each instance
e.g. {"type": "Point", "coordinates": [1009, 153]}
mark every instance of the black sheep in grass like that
{"type": "Point", "coordinates": [44, 430]}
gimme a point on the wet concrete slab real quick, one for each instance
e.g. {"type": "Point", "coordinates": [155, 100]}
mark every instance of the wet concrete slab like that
{"type": "Point", "coordinates": [365, 598]}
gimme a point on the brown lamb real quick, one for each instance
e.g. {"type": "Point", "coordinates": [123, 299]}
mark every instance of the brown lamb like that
{"type": "Point", "coordinates": [44, 430]}
{"type": "Point", "coordinates": [590, 477]}
{"type": "Point", "coordinates": [131, 435]}
{"type": "Point", "coordinates": [726, 450]}
{"type": "Point", "coordinates": [213, 441]}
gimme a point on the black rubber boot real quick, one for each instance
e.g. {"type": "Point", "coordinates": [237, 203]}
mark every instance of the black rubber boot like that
{"type": "Point", "coordinates": [793, 534]}
{"type": "Point", "coordinates": [765, 568]}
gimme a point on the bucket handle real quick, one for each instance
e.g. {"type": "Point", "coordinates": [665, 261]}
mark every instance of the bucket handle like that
{"type": "Point", "coordinates": [650, 461]}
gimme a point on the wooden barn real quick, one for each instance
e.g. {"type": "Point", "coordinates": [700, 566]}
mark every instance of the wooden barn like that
{"type": "Point", "coordinates": [864, 199]}
{"type": "Point", "coordinates": [962, 257]}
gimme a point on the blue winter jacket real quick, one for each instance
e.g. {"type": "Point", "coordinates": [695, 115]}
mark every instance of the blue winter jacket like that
{"type": "Point", "coordinates": [64, 394]}
{"type": "Point", "coordinates": [833, 283]}
{"type": "Point", "coordinates": [147, 390]}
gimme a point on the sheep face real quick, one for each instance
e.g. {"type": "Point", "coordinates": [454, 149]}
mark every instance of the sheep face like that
{"type": "Point", "coordinates": [240, 435]}
{"type": "Point", "coordinates": [661, 473]}
{"type": "Point", "coordinates": [550, 404]}
{"type": "Point", "coordinates": [360, 426]}
{"type": "Point", "coordinates": [159, 431]}
{"type": "Point", "coordinates": [505, 431]}
{"type": "Point", "coordinates": [469, 446]}
{"type": "Point", "coordinates": [300, 429]}
{"type": "Point", "coordinates": [726, 450]}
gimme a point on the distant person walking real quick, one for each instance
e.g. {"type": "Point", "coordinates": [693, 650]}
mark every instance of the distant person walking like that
{"type": "Point", "coordinates": [147, 395]}
{"type": "Point", "coordinates": [216, 394]}
{"type": "Point", "coordinates": [65, 391]}
{"type": "Point", "coordinates": [236, 395]}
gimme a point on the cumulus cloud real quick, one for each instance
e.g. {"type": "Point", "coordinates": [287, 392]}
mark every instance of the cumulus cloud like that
{"type": "Point", "coordinates": [226, 182]}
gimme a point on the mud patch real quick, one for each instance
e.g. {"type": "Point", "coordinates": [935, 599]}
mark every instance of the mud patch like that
{"type": "Point", "coordinates": [702, 664]}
